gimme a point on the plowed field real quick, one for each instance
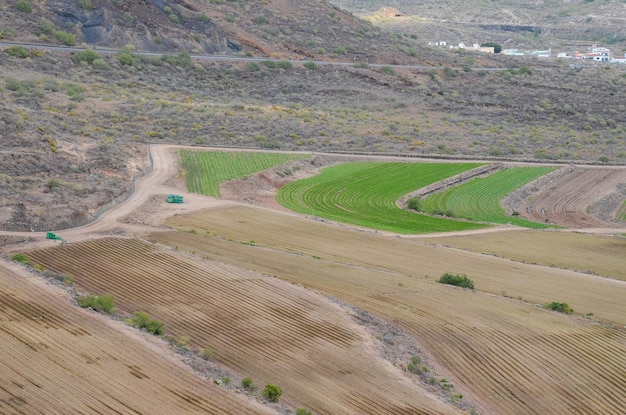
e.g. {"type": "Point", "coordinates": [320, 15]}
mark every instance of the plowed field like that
{"type": "Point", "coordinates": [566, 201]}
{"type": "Point", "coordinates": [58, 359]}
{"type": "Point", "coordinates": [260, 326]}
{"type": "Point", "coordinates": [508, 354]}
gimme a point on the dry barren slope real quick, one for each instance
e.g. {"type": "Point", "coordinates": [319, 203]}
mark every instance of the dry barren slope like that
{"type": "Point", "coordinates": [58, 359]}
{"type": "Point", "coordinates": [257, 325]}
{"type": "Point", "coordinates": [509, 355]}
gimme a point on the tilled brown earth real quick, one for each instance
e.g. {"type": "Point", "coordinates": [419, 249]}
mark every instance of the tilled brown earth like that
{"type": "Point", "coordinates": [568, 199]}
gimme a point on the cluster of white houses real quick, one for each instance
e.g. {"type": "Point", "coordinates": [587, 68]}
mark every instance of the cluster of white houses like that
{"type": "Point", "coordinates": [595, 53]}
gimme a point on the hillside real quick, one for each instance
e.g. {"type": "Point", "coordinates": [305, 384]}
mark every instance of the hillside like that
{"type": "Point", "coordinates": [519, 25]}
{"type": "Point", "coordinates": [75, 127]}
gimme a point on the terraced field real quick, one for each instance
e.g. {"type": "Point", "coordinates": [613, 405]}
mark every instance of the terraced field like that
{"type": "Point", "coordinates": [365, 194]}
{"type": "Point", "coordinates": [567, 201]}
{"type": "Point", "coordinates": [205, 170]}
{"type": "Point", "coordinates": [479, 199]}
{"type": "Point", "coordinates": [257, 325]}
{"type": "Point", "coordinates": [58, 359]}
{"type": "Point", "coordinates": [506, 354]}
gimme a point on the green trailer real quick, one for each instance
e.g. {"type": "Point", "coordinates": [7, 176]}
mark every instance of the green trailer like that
{"type": "Point", "coordinates": [174, 199]}
{"type": "Point", "coordinates": [52, 235]}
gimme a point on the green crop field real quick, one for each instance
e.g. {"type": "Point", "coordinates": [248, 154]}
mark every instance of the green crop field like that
{"type": "Point", "coordinates": [365, 194]}
{"type": "Point", "coordinates": [205, 170]}
{"type": "Point", "coordinates": [479, 199]}
{"type": "Point", "coordinates": [621, 213]}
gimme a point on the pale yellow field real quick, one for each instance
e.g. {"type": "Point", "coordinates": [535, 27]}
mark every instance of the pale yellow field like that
{"type": "Point", "coordinates": [509, 355]}
{"type": "Point", "coordinates": [603, 255]}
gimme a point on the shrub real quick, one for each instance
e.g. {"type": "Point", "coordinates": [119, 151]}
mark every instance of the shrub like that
{"type": "Point", "coordinates": [204, 18]}
{"type": "Point", "coordinates": [24, 6]}
{"type": "Point", "coordinates": [246, 382]}
{"type": "Point", "coordinates": [17, 51]}
{"type": "Point", "coordinates": [85, 4]}
{"type": "Point", "coordinates": [21, 258]}
{"type": "Point", "coordinates": [415, 204]}
{"type": "Point", "coordinates": [207, 354]}
{"type": "Point", "coordinates": [361, 65]}
{"type": "Point", "coordinates": [230, 18]}
{"type": "Point", "coordinates": [560, 307]}
{"type": "Point", "coordinates": [310, 65]}
{"type": "Point", "coordinates": [457, 280]}
{"type": "Point", "coordinates": [174, 18]}
{"type": "Point", "coordinates": [125, 58]}
{"type": "Point", "coordinates": [100, 64]}
{"type": "Point", "coordinates": [141, 320]}
{"type": "Point", "coordinates": [65, 38]}
{"type": "Point", "coordinates": [103, 303]}
{"type": "Point", "coordinates": [303, 411]}
{"type": "Point", "coordinates": [87, 55]}
{"type": "Point", "coordinates": [285, 65]}
{"type": "Point", "coordinates": [253, 67]}
{"type": "Point", "coordinates": [272, 393]}
{"type": "Point", "coordinates": [53, 184]}
{"type": "Point", "coordinates": [184, 59]}
{"type": "Point", "coordinates": [388, 70]}
{"type": "Point", "coordinates": [226, 380]}
{"type": "Point", "coordinates": [270, 64]}
{"type": "Point", "coordinates": [260, 20]}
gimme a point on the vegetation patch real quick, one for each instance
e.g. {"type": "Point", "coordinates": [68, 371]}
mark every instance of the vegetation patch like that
{"type": "Point", "coordinates": [141, 320]}
{"type": "Point", "coordinates": [560, 307]}
{"type": "Point", "coordinates": [102, 303]}
{"type": "Point", "coordinates": [365, 194]}
{"type": "Point", "coordinates": [272, 392]}
{"type": "Point", "coordinates": [479, 199]}
{"type": "Point", "coordinates": [205, 170]}
{"type": "Point", "coordinates": [456, 280]}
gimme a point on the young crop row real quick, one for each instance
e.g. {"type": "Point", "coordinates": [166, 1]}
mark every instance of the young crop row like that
{"type": "Point", "coordinates": [621, 213]}
{"type": "Point", "coordinates": [205, 170]}
{"type": "Point", "coordinates": [479, 199]}
{"type": "Point", "coordinates": [365, 194]}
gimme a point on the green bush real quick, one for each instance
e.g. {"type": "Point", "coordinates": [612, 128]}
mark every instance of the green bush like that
{"type": "Point", "coordinates": [17, 51]}
{"type": "Point", "coordinates": [272, 393]}
{"type": "Point", "coordinates": [361, 65]}
{"type": "Point", "coordinates": [65, 38]}
{"type": "Point", "coordinates": [125, 58]}
{"type": "Point", "coordinates": [141, 320]}
{"type": "Point", "coordinates": [285, 65]}
{"type": "Point", "coordinates": [456, 280]}
{"type": "Point", "coordinates": [174, 18]}
{"type": "Point", "coordinates": [21, 258]}
{"type": "Point", "coordinates": [260, 20]}
{"type": "Point", "coordinates": [87, 55]}
{"type": "Point", "coordinates": [560, 307]}
{"type": "Point", "coordinates": [270, 64]}
{"type": "Point", "coordinates": [230, 18]}
{"type": "Point", "coordinates": [246, 382]}
{"type": "Point", "coordinates": [253, 67]}
{"type": "Point", "coordinates": [303, 411]}
{"type": "Point", "coordinates": [415, 204]}
{"type": "Point", "coordinates": [103, 303]}
{"type": "Point", "coordinates": [310, 65]}
{"type": "Point", "coordinates": [204, 18]}
{"type": "Point", "coordinates": [24, 6]}
{"type": "Point", "coordinates": [85, 4]}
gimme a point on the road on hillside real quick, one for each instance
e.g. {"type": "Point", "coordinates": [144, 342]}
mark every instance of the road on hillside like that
{"type": "Point", "coordinates": [230, 58]}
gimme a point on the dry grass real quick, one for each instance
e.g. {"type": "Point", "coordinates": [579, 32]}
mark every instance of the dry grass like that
{"type": "Point", "coordinates": [599, 255]}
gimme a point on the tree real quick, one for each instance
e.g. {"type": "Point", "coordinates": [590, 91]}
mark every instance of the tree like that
{"type": "Point", "coordinates": [497, 48]}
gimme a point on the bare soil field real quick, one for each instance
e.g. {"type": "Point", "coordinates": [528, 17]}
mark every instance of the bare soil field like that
{"type": "Point", "coordinates": [568, 200]}
{"type": "Point", "coordinates": [58, 359]}
{"type": "Point", "coordinates": [596, 254]}
{"type": "Point", "coordinates": [257, 325]}
{"type": "Point", "coordinates": [505, 353]}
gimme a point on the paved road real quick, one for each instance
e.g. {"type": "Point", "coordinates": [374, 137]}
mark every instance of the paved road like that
{"type": "Point", "coordinates": [230, 58]}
